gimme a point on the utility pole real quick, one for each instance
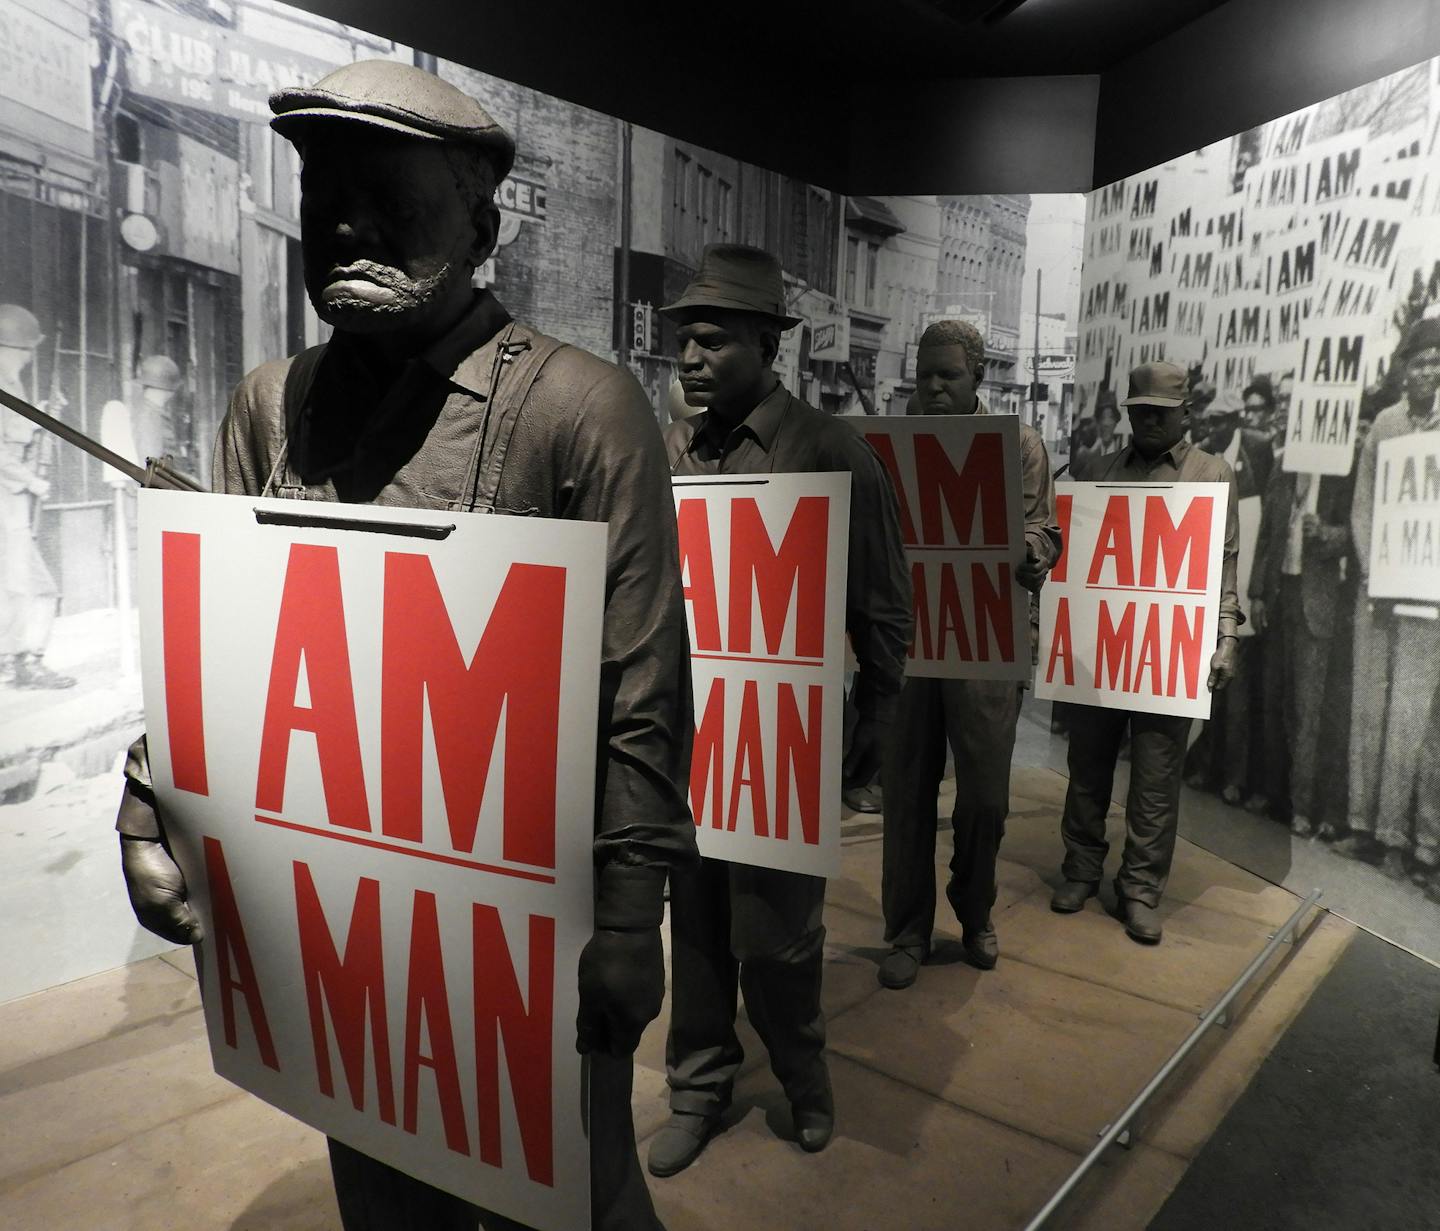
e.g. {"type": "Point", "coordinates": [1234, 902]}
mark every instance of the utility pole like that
{"type": "Point", "coordinates": [1035, 363]}
{"type": "Point", "coordinates": [627, 312]}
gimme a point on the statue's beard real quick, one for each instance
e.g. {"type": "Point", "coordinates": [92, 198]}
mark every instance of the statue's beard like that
{"type": "Point", "coordinates": [364, 292]}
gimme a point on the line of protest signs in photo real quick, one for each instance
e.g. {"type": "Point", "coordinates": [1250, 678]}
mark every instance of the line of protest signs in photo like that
{"type": "Point", "coordinates": [359, 742]}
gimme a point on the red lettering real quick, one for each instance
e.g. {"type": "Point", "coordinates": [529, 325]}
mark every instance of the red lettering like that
{"type": "Point", "coordinates": [352, 989]}
{"type": "Point", "coordinates": [184, 696]}
{"type": "Point", "coordinates": [1115, 543]}
{"type": "Point", "coordinates": [707, 757]}
{"type": "Point", "coordinates": [515, 670]}
{"type": "Point", "coordinates": [234, 970]}
{"type": "Point", "coordinates": [1149, 656]}
{"type": "Point", "coordinates": [1160, 537]}
{"type": "Point", "coordinates": [697, 568]}
{"type": "Point", "coordinates": [884, 445]}
{"type": "Point", "coordinates": [952, 618]}
{"type": "Point", "coordinates": [311, 631]}
{"type": "Point", "coordinates": [797, 570]}
{"type": "Point", "coordinates": [994, 601]}
{"type": "Point", "coordinates": [1186, 642]}
{"type": "Point", "coordinates": [1060, 644]}
{"type": "Point", "coordinates": [922, 613]}
{"type": "Point", "coordinates": [980, 481]}
{"type": "Point", "coordinates": [749, 772]}
{"type": "Point", "coordinates": [1113, 647]}
{"type": "Point", "coordinates": [1064, 501]}
{"type": "Point", "coordinates": [500, 1012]}
{"type": "Point", "coordinates": [428, 1001]}
{"type": "Point", "coordinates": [798, 753]}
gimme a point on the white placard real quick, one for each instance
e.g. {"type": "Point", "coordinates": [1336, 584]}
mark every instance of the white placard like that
{"type": "Point", "coordinates": [372, 733]}
{"type": "Point", "coordinates": [1405, 539]}
{"type": "Point", "coordinates": [962, 518]}
{"type": "Point", "coordinates": [764, 562]}
{"type": "Point", "coordinates": [1128, 614]}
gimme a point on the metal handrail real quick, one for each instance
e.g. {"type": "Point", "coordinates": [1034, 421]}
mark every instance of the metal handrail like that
{"type": "Point", "coordinates": [1121, 1124]}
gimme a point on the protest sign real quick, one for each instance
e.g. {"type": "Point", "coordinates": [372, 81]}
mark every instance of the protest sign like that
{"type": "Point", "coordinates": [1405, 538]}
{"type": "Point", "coordinates": [957, 478]}
{"type": "Point", "coordinates": [1320, 437]}
{"type": "Point", "coordinates": [763, 558]}
{"type": "Point", "coordinates": [374, 749]}
{"type": "Point", "coordinates": [1128, 614]}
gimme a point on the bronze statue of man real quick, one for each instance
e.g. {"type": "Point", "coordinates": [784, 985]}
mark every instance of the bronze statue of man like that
{"type": "Point", "coordinates": [430, 396]}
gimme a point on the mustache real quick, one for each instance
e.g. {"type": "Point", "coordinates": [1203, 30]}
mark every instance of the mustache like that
{"type": "Point", "coordinates": [384, 275]}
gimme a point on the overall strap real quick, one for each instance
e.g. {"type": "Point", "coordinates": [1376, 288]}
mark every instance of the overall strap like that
{"type": "Point", "coordinates": [298, 382]}
{"type": "Point", "coordinates": [518, 361]}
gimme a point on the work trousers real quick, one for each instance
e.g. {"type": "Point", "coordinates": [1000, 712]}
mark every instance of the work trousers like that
{"type": "Point", "coordinates": [1305, 671]}
{"type": "Point", "coordinates": [29, 598]}
{"type": "Point", "coordinates": [1152, 808]}
{"type": "Point", "coordinates": [1222, 753]}
{"type": "Point", "coordinates": [757, 931]}
{"type": "Point", "coordinates": [976, 719]}
{"type": "Point", "coordinates": [1415, 678]}
{"type": "Point", "coordinates": [376, 1197]}
{"type": "Point", "coordinates": [1368, 702]}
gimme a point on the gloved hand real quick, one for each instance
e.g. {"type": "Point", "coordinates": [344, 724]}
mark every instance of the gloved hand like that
{"type": "Point", "coordinates": [1222, 664]}
{"type": "Point", "coordinates": [622, 986]}
{"type": "Point", "coordinates": [157, 891]}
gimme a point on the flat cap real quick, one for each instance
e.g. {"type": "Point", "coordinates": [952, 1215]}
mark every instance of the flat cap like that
{"type": "Point", "coordinates": [1158, 384]}
{"type": "Point", "coordinates": [396, 97]}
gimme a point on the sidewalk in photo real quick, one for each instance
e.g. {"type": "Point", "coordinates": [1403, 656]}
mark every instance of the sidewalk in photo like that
{"type": "Point", "coordinates": [962, 1101]}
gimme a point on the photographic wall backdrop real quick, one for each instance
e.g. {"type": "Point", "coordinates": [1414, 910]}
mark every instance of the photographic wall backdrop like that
{"type": "Point", "coordinates": [151, 256]}
{"type": "Point", "coordinates": [1285, 267]}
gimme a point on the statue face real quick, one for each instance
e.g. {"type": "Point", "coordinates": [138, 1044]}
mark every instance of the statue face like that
{"type": "Point", "coordinates": [1156, 428]}
{"type": "Point", "coordinates": [387, 239]}
{"type": "Point", "coordinates": [723, 358]}
{"type": "Point", "coordinates": [944, 381]}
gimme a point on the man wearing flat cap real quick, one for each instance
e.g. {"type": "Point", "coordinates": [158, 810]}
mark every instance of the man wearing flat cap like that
{"type": "Point", "coordinates": [1158, 452]}
{"type": "Point", "coordinates": [1397, 660]}
{"type": "Point", "coordinates": [430, 396]}
{"type": "Point", "coordinates": [731, 924]}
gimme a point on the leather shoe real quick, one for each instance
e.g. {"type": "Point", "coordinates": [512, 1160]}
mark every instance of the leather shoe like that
{"type": "Point", "coordinates": [862, 798]}
{"type": "Point", "coordinates": [982, 946]}
{"type": "Point", "coordinates": [899, 968]}
{"type": "Point", "coordinates": [813, 1127]}
{"type": "Point", "coordinates": [1142, 923]}
{"type": "Point", "coordinates": [679, 1141]}
{"type": "Point", "coordinates": [1072, 895]}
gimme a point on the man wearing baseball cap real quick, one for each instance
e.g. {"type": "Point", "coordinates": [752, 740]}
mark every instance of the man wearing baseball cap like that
{"type": "Point", "coordinates": [430, 396]}
{"type": "Point", "coordinates": [732, 924]}
{"type": "Point", "coordinates": [1158, 405]}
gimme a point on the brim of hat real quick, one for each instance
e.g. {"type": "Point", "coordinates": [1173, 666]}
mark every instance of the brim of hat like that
{"type": "Point", "coordinates": [1152, 399]}
{"type": "Point", "coordinates": [732, 305]}
{"type": "Point", "coordinates": [290, 124]}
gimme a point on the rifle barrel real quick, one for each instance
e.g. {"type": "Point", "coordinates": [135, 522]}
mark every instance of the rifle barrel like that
{"type": "Point", "coordinates": [146, 476]}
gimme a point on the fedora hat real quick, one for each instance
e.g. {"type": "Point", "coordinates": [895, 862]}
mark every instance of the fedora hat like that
{"type": "Point", "coordinates": [740, 279]}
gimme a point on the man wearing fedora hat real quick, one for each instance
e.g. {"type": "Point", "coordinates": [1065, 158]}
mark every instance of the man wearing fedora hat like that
{"type": "Point", "coordinates": [1158, 452]}
{"type": "Point", "coordinates": [731, 924]}
{"type": "Point", "coordinates": [430, 396]}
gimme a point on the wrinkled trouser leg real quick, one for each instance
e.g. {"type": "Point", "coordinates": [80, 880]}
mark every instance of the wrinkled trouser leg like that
{"type": "Point", "coordinates": [980, 717]}
{"type": "Point", "coordinates": [1415, 678]}
{"type": "Point", "coordinates": [1305, 679]}
{"type": "Point", "coordinates": [702, 1052]}
{"type": "Point", "coordinates": [1095, 734]}
{"type": "Point", "coordinates": [1371, 676]}
{"type": "Point", "coordinates": [374, 1196]}
{"type": "Point", "coordinates": [1152, 808]}
{"type": "Point", "coordinates": [727, 918]}
{"type": "Point", "coordinates": [910, 783]}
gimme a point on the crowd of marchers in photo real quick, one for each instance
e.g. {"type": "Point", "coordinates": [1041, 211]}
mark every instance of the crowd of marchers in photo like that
{"type": "Point", "coordinates": [1336, 696]}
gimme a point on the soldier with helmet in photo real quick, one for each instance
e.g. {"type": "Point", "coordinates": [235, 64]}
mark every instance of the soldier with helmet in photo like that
{"type": "Point", "coordinates": [431, 396]}
{"type": "Point", "coordinates": [29, 597]}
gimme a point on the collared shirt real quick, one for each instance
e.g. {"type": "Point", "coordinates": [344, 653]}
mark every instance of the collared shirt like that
{"type": "Point", "coordinates": [785, 435]}
{"type": "Point", "coordinates": [1184, 463]}
{"type": "Point", "coordinates": [585, 447]}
